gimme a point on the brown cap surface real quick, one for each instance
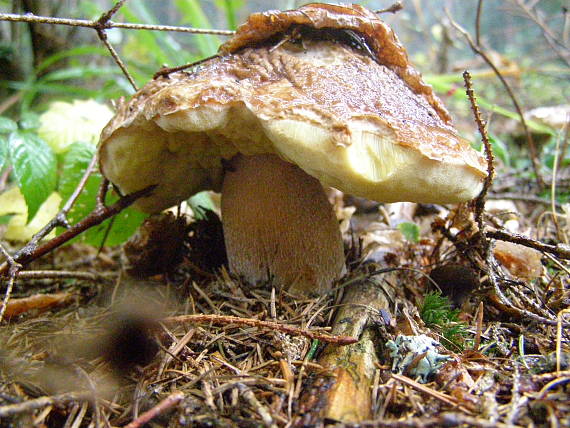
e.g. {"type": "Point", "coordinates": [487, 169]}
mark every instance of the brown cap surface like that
{"type": "Point", "coordinates": [365, 124]}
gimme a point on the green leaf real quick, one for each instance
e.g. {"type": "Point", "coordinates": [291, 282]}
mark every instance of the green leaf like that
{"type": "Point", "coordinates": [7, 125]}
{"type": "Point", "coordinates": [500, 149]}
{"type": "Point", "coordinates": [411, 231]}
{"type": "Point", "coordinates": [76, 161]}
{"type": "Point", "coordinates": [3, 151]}
{"type": "Point", "coordinates": [34, 168]}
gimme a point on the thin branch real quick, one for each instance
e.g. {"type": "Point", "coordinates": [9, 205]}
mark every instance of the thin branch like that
{"type": "Point", "coordinates": [80, 186]}
{"type": "Point", "coordinates": [101, 33]}
{"type": "Point", "coordinates": [166, 404]}
{"type": "Point", "coordinates": [168, 70]}
{"type": "Point", "coordinates": [561, 251]}
{"type": "Point", "coordinates": [394, 8]}
{"type": "Point", "coordinates": [103, 37]}
{"type": "Point", "coordinates": [104, 23]}
{"type": "Point", "coordinates": [106, 17]}
{"type": "Point", "coordinates": [553, 40]}
{"type": "Point", "coordinates": [480, 200]}
{"type": "Point", "coordinates": [250, 322]}
{"type": "Point", "coordinates": [102, 193]}
{"type": "Point", "coordinates": [97, 216]}
{"type": "Point", "coordinates": [478, 23]}
{"type": "Point", "coordinates": [59, 274]}
{"type": "Point", "coordinates": [108, 25]}
{"type": "Point", "coordinates": [38, 403]}
{"type": "Point", "coordinates": [13, 268]}
{"type": "Point", "coordinates": [479, 51]}
{"type": "Point", "coordinates": [60, 219]}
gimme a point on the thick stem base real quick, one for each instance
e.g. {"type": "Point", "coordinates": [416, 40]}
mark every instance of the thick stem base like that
{"type": "Point", "coordinates": [279, 225]}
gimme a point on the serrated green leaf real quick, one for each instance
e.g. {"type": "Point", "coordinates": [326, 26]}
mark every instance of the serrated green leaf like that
{"type": "Point", "coordinates": [7, 125]}
{"type": "Point", "coordinates": [411, 231]}
{"type": "Point", "coordinates": [76, 161]}
{"type": "Point", "coordinates": [34, 168]}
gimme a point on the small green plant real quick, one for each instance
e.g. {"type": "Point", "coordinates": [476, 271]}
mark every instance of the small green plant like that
{"type": "Point", "coordinates": [436, 312]}
{"type": "Point", "coordinates": [411, 231]}
{"type": "Point", "coordinates": [47, 156]}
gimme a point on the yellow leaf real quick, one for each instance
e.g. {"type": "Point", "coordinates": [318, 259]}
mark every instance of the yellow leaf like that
{"type": "Point", "coordinates": [12, 202]}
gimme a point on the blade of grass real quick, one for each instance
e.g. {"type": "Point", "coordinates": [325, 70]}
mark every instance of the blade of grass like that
{"type": "Point", "coordinates": [167, 44]}
{"type": "Point", "coordinates": [78, 51]}
{"type": "Point", "coordinates": [230, 8]}
{"type": "Point", "coordinates": [192, 12]}
{"type": "Point", "coordinates": [446, 83]}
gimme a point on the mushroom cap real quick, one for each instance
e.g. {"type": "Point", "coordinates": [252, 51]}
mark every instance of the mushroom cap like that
{"type": "Point", "coordinates": [358, 118]}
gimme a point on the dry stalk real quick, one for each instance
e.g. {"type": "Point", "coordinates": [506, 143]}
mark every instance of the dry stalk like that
{"type": "Point", "coordinates": [60, 274]}
{"type": "Point", "coordinates": [481, 126]}
{"type": "Point", "coordinates": [250, 322]}
{"type": "Point", "coordinates": [479, 330]}
{"type": "Point", "coordinates": [166, 404]}
{"type": "Point", "coordinates": [38, 403]}
{"type": "Point", "coordinates": [108, 24]}
{"type": "Point", "coordinates": [394, 8]}
{"type": "Point", "coordinates": [444, 398]}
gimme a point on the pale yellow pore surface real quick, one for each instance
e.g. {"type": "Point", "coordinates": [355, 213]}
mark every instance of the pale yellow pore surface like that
{"type": "Point", "coordinates": [279, 225]}
{"type": "Point", "coordinates": [372, 166]}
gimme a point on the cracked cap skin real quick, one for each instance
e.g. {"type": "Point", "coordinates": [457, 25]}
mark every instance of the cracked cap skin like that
{"type": "Point", "coordinates": [328, 88]}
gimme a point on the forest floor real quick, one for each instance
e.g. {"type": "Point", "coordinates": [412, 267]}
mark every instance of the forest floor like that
{"type": "Point", "coordinates": [92, 345]}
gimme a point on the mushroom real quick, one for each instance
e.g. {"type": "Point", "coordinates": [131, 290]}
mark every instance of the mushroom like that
{"type": "Point", "coordinates": [321, 95]}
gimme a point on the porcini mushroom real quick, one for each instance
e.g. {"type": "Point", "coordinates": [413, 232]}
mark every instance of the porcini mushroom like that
{"type": "Point", "coordinates": [321, 95]}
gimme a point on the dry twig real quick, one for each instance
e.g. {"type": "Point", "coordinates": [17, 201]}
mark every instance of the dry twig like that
{"type": "Point", "coordinates": [99, 215]}
{"type": "Point", "coordinates": [562, 251]}
{"type": "Point", "coordinates": [12, 267]}
{"type": "Point", "coordinates": [38, 403]}
{"type": "Point", "coordinates": [166, 404]}
{"type": "Point", "coordinates": [250, 322]}
{"type": "Point", "coordinates": [480, 200]}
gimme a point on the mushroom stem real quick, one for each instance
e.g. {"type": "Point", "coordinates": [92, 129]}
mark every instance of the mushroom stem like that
{"type": "Point", "coordinates": [279, 225]}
